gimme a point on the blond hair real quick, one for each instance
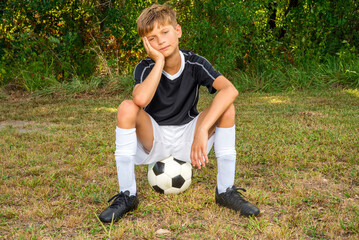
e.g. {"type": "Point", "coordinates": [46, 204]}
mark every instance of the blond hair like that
{"type": "Point", "coordinates": [160, 14]}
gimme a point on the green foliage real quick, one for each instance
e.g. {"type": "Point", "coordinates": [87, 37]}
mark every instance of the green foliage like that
{"type": "Point", "coordinates": [46, 43]}
{"type": "Point", "coordinates": [244, 34]}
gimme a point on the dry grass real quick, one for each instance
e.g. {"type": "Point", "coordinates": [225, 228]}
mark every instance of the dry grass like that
{"type": "Point", "coordinates": [297, 157]}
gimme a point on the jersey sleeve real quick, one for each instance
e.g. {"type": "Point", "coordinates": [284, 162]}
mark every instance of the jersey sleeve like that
{"type": "Point", "coordinates": [142, 70]}
{"type": "Point", "coordinates": [206, 74]}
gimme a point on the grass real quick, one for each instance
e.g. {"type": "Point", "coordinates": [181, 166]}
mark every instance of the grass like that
{"type": "Point", "coordinates": [278, 76]}
{"type": "Point", "coordinates": [265, 75]}
{"type": "Point", "coordinates": [297, 156]}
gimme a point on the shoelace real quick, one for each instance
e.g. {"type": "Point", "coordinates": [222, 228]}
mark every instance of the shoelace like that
{"type": "Point", "coordinates": [235, 190]}
{"type": "Point", "coordinates": [119, 198]}
{"type": "Point", "coordinates": [238, 188]}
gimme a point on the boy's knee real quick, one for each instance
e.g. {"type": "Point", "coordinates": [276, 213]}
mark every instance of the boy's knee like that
{"type": "Point", "coordinates": [230, 112]}
{"type": "Point", "coordinates": [127, 112]}
{"type": "Point", "coordinates": [228, 117]}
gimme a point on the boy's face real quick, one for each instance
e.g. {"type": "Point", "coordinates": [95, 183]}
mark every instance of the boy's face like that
{"type": "Point", "coordinates": [164, 38]}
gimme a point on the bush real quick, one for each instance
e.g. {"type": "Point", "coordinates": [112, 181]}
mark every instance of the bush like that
{"type": "Point", "coordinates": [47, 44]}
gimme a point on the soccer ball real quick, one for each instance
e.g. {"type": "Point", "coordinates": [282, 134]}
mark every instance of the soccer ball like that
{"type": "Point", "coordinates": [170, 175]}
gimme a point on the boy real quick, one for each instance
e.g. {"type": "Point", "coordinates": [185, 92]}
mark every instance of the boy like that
{"type": "Point", "coordinates": [162, 118]}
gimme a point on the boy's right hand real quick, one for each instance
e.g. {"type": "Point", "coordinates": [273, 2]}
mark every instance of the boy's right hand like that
{"type": "Point", "coordinates": [151, 52]}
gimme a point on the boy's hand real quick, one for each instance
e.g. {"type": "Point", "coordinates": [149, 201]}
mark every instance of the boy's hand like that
{"type": "Point", "coordinates": [151, 52]}
{"type": "Point", "coordinates": [199, 149]}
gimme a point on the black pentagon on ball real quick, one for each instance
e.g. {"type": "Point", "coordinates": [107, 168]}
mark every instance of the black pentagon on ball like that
{"type": "Point", "coordinates": [179, 161]}
{"type": "Point", "coordinates": [158, 189]}
{"type": "Point", "coordinates": [178, 181]}
{"type": "Point", "coordinates": [159, 168]}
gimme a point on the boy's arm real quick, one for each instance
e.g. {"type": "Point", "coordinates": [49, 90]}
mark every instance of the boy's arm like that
{"type": "Point", "coordinates": [226, 95]}
{"type": "Point", "coordinates": [143, 92]}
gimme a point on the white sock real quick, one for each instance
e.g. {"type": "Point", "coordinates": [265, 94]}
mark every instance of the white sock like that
{"type": "Point", "coordinates": [225, 149]}
{"type": "Point", "coordinates": [126, 147]}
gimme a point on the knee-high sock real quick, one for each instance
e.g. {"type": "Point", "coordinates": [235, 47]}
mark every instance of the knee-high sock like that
{"type": "Point", "coordinates": [224, 147]}
{"type": "Point", "coordinates": [126, 147]}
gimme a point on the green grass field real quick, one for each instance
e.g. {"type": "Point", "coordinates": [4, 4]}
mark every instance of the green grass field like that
{"type": "Point", "coordinates": [297, 156]}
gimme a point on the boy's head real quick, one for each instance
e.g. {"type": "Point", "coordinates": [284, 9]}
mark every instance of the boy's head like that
{"type": "Point", "coordinates": [155, 14]}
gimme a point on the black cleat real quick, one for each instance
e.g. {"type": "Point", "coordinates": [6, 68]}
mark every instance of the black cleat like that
{"type": "Point", "coordinates": [121, 204]}
{"type": "Point", "coordinates": [234, 200]}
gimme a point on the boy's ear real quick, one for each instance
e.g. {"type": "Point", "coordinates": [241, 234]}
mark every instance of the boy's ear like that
{"type": "Point", "coordinates": [179, 31]}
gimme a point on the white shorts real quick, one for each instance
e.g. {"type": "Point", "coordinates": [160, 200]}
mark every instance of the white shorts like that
{"type": "Point", "coordinates": [170, 140]}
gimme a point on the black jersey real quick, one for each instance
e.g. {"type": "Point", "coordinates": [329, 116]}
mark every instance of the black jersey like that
{"type": "Point", "coordinates": [176, 97]}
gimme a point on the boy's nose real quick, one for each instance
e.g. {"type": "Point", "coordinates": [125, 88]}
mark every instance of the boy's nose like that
{"type": "Point", "coordinates": [161, 41]}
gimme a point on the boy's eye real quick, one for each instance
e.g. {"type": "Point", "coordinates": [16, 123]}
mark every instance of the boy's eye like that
{"type": "Point", "coordinates": [151, 39]}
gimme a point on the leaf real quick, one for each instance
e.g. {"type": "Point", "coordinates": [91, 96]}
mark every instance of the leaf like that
{"type": "Point", "coordinates": [54, 40]}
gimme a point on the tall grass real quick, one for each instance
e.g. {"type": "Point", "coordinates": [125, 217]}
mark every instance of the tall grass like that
{"type": "Point", "coordinates": [270, 75]}
{"type": "Point", "coordinates": [280, 76]}
{"type": "Point", "coordinates": [96, 84]}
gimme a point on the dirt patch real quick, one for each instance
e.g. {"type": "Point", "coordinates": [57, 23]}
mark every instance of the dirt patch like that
{"type": "Point", "coordinates": [19, 125]}
{"type": "Point", "coordinates": [24, 126]}
{"type": "Point", "coordinates": [14, 93]}
{"type": "Point", "coordinates": [312, 114]}
{"type": "Point", "coordinates": [14, 123]}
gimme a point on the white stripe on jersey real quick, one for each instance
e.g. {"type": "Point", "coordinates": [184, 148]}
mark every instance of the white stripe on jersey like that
{"type": "Point", "coordinates": [203, 68]}
{"type": "Point", "coordinates": [190, 54]}
{"type": "Point", "coordinates": [143, 71]}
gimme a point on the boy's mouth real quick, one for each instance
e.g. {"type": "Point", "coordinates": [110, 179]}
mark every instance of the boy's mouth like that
{"type": "Point", "coordinates": [164, 48]}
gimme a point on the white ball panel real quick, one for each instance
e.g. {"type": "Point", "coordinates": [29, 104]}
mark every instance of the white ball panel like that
{"type": "Point", "coordinates": [151, 178]}
{"type": "Point", "coordinates": [186, 171]}
{"type": "Point", "coordinates": [186, 184]}
{"type": "Point", "coordinates": [172, 169]}
{"type": "Point", "coordinates": [166, 160]}
{"type": "Point", "coordinates": [163, 181]}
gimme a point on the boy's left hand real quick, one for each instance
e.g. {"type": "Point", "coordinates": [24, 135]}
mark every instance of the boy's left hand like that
{"type": "Point", "coordinates": [151, 52]}
{"type": "Point", "coordinates": [199, 149]}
